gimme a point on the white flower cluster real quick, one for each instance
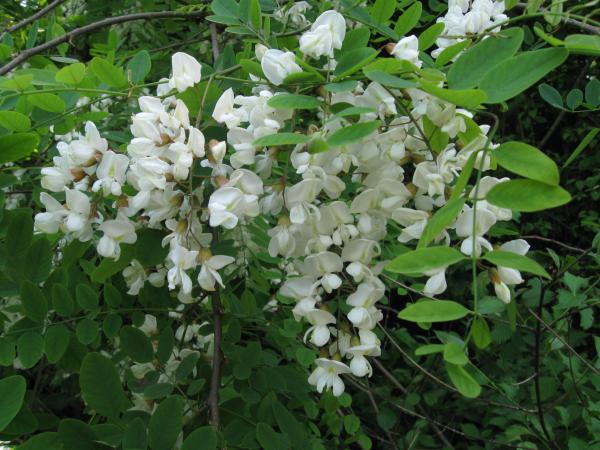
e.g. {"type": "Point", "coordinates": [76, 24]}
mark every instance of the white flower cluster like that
{"type": "Point", "coordinates": [333, 210]}
{"type": "Point", "coordinates": [469, 17]}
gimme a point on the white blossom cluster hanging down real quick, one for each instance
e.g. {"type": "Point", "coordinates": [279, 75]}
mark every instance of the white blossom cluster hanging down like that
{"type": "Point", "coordinates": [331, 211]}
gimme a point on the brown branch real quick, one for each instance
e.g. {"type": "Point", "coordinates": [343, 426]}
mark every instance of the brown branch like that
{"type": "Point", "coordinates": [214, 40]}
{"type": "Point", "coordinates": [32, 18]}
{"type": "Point", "coordinates": [26, 54]}
{"type": "Point", "coordinates": [561, 244]}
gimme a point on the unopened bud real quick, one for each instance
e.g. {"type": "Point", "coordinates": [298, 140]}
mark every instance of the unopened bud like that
{"type": "Point", "coordinates": [122, 202]}
{"type": "Point", "coordinates": [284, 220]}
{"type": "Point", "coordinates": [78, 174]}
{"type": "Point", "coordinates": [204, 254]}
{"type": "Point", "coordinates": [494, 276]}
{"type": "Point", "coordinates": [221, 180]}
{"type": "Point", "coordinates": [389, 47]}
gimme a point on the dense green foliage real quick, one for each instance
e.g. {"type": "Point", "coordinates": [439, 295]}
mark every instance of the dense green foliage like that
{"type": "Point", "coordinates": [458, 373]}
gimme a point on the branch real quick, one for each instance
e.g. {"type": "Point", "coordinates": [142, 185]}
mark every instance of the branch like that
{"type": "Point", "coordinates": [574, 22]}
{"type": "Point", "coordinates": [33, 18]}
{"type": "Point", "coordinates": [217, 362]}
{"type": "Point", "coordinates": [26, 54]}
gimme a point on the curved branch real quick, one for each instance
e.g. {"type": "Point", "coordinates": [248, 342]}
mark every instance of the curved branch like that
{"type": "Point", "coordinates": [23, 23]}
{"type": "Point", "coordinates": [26, 54]}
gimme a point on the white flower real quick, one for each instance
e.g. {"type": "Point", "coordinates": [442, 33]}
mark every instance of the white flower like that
{"type": "Point", "coordinates": [209, 272]}
{"type": "Point", "coordinates": [277, 65]}
{"type": "Point", "coordinates": [407, 49]}
{"type": "Point", "coordinates": [502, 277]}
{"type": "Point", "coordinates": [116, 232]}
{"type": "Point", "coordinates": [327, 375]}
{"type": "Point", "coordinates": [226, 205]}
{"type": "Point", "coordinates": [319, 332]}
{"type": "Point", "coordinates": [49, 222]}
{"type": "Point", "coordinates": [359, 365]}
{"type": "Point", "coordinates": [436, 284]}
{"type": "Point", "coordinates": [77, 220]}
{"type": "Point", "coordinates": [474, 230]}
{"type": "Point", "coordinates": [135, 277]}
{"type": "Point", "coordinates": [326, 34]}
{"type": "Point", "coordinates": [183, 260]}
{"type": "Point", "coordinates": [111, 173]}
{"type": "Point", "coordinates": [186, 71]}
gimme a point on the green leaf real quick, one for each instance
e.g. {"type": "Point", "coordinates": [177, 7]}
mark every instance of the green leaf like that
{"type": "Point", "coordinates": [108, 267]}
{"type": "Point", "coordinates": [428, 37]}
{"type": "Point", "coordinates": [353, 111]}
{"type": "Point", "coordinates": [135, 435]}
{"type": "Point", "coordinates": [136, 344]}
{"type": "Point", "coordinates": [266, 437]}
{"type": "Point", "coordinates": [139, 66]}
{"type": "Point", "coordinates": [204, 438]}
{"type": "Point", "coordinates": [62, 301]}
{"type": "Point", "coordinates": [148, 248]}
{"type": "Point", "coordinates": [515, 261]}
{"type": "Point", "coordinates": [527, 161]}
{"type": "Point", "coordinates": [433, 311]}
{"type": "Point", "coordinates": [254, 68]}
{"type": "Point", "coordinates": [467, 98]}
{"type": "Point", "coordinates": [382, 10]}
{"type": "Point", "coordinates": [583, 44]}
{"type": "Point", "coordinates": [351, 424]}
{"type": "Point", "coordinates": [47, 102]}
{"type": "Point", "coordinates": [111, 325]}
{"type": "Point", "coordinates": [71, 75]}
{"type": "Point", "coordinates": [293, 101]}
{"type": "Point", "coordinates": [424, 259]}
{"type": "Point", "coordinates": [440, 220]}
{"type": "Point", "coordinates": [12, 393]}
{"type": "Point", "coordinates": [30, 347]}
{"type": "Point", "coordinates": [76, 435]}
{"type": "Point", "coordinates": [353, 133]}
{"type": "Point", "coordinates": [87, 331]}
{"type": "Point", "coordinates": [550, 95]}
{"type": "Point", "coordinates": [276, 140]}
{"type": "Point", "coordinates": [108, 73]}
{"type": "Point", "coordinates": [34, 302]}
{"type": "Point", "coordinates": [514, 75]}
{"type": "Point", "coordinates": [317, 145]}
{"type": "Point", "coordinates": [86, 297]}
{"type": "Point", "coordinates": [39, 261]}
{"type": "Point", "coordinates": [429, 349]}
{"type": "Point", "coordinates": [112, 296]}
{"type": "Point", "coordinates": [255, 14]}
{"type": "Point", "coordinates": [480, 331]}
{"type": "Point", "coordinates": [20, 230]}
{"type": "Point", "coordinates": [290, 426]}
{"type": "Point", "coordinates": [527, 195]}
{"type": "Point", "coordinates": [101, 386]}
{"type": "Point", "coordinates": [468, 70]}
{"type": "Point", "coordinates": [387, 79]}
{"type": "Point", "coordinates": [7, 352]}
{"type": "Point", "coordinates": [455, 354]}
{"type": "Point", "coordinates": [464, 382]}
{"type": "Point", "coordinates": [342, 86]}
{"type": "Point", "coordinates": [592, 92]}
{"type": "Point", "coordinates": [16, 146]}
{"type": "Point", "coordinates": [165, 424]}
{"type": "Point", "coordinates": [354, 60]}
{"type": "Point", "coordinates": [588, 138]}
{"type": "Point", "coordinates": [56, 342]}
{"type": "Point", "coordinates": [574, 99]}
{"type": "Point", "coordinates": [14, 121]}
{"type": "Point", "coordinates": [409, 19]}
{"type": "Point", "coordinates": [450, 52]}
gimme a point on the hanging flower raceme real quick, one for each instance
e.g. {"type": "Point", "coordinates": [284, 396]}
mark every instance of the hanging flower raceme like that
{"type": "Point", "coordinates": [329, 214]}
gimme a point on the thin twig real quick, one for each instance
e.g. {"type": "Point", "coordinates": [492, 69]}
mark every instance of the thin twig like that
{"type": "Point", "coordinates": [561, 244]}
{"type": "Point", "coordinates": [537, 362]}
{"type": "Point", "coordinates": [26, 54]}
{"type": "Point", "coordinates": [557, 336]}
{"type": "Point", "coordinates": [23, 23]}
{"type": "Point", "coordinates": [215, 379]}
{"type": "Point", "coordinates": [396, 383]}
